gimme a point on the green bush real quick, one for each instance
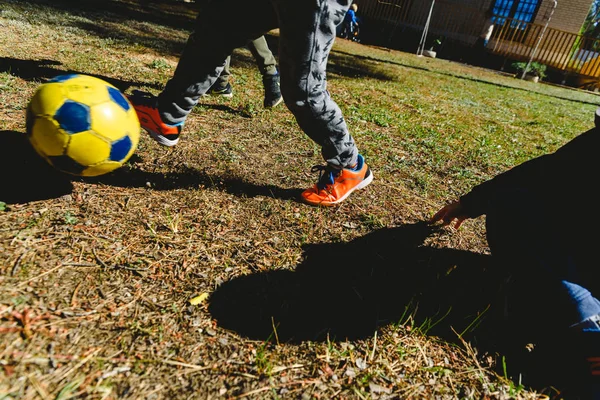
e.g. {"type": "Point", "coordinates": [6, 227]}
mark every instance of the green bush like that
{"type": "Point", "coordinates": [535, 68]}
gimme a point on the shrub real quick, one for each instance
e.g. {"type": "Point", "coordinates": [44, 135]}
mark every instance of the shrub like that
{"type": "Point", "coordinates": [535, 68]}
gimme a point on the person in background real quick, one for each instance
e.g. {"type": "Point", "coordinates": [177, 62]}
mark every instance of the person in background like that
{"type": "Point", "coordinates": [350, 24]}
{"type": "Point", "coordinates": [478, 51]}
{"type": "Point", "coordinates": [306, 35]}
{"type": "Point", "coordinates": [543, 224]}
{"type": "Point", "coordinates": [267, 66]}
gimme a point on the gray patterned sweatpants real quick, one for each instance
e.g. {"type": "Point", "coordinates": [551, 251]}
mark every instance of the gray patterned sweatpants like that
{"type": "Point", "coordinates": [307, 30]}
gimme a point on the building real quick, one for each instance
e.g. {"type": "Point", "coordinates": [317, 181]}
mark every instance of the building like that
{"type": "Point", "coordinates": [546, 31]}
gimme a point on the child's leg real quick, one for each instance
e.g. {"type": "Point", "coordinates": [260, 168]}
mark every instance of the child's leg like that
{"type": "Point", "coordinates": [264, 57]}
{"type": "Point", "coordinates": [307, 33]}
{"type": "Point", "coordinates": [268, 69]}
{"type": "Point", "coordinates": [204, 55]}
{"type": "Point", "coordinates": [223, 78]}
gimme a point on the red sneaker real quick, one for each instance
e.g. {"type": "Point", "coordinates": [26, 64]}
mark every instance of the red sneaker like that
{"type": "Point", "coordinates": [335, 185]}
{"type": "Point", "coordinates": [145, 106]}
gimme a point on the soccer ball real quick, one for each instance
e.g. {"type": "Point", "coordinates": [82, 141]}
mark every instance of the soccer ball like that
{"type": "Point", "coordinates": [82, 125]}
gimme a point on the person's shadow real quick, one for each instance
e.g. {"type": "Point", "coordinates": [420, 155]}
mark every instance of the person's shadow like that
{"type": "Point", "coordinates": [44, 70]}
{"type": "Point", "coordinates": [25, 175]}
{"type": "Point", "coordinates": [348, 290]}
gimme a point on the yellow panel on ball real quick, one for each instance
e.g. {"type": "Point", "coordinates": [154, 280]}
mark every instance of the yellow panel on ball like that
{"type": "Point", "coordinates": [101, 169]}
{"type": "Point", "coordinates": [110, 121]}
{"type": "Point", "coordinates": [86, 90]}
{"type": "Point", "coordinates": [88, 148]}
{"type": "Point", "coordinates": [46, 138]}
{"type": "Point", "coordinates": [47, 99]}
{"type": "Point", "coordinates": [132, 126]}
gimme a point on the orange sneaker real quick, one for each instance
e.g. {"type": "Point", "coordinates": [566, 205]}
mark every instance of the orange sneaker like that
{"type": "Point", "coordinates": [145, 106]}
{"type": "Point", "coordinates": [335, 185]}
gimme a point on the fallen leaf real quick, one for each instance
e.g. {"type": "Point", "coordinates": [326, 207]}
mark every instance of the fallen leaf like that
{"type": "Point", "coordinates": [199, 299]}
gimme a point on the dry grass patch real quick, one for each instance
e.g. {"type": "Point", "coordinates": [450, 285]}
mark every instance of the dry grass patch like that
{"type": "Point", "coordinates": [357, 301]}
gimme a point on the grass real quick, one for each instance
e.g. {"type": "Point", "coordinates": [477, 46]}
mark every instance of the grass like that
{"type": "Point", "coordinates": [358, 301]}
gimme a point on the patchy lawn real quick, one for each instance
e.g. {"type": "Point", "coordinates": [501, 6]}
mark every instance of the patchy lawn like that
{"type": "Point", "coordinates": [194, 272]}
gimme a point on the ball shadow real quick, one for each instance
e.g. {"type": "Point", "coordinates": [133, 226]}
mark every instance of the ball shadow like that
{"type": "Point", "coordinates": [25, 175]}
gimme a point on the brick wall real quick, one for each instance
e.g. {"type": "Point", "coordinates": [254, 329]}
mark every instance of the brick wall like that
{"type": "Point", "coordinates": [466, 16]}
{"type": "Point", "coordinates": [459, 22]}
{"type": "Point", "coordinates": [569, 15]}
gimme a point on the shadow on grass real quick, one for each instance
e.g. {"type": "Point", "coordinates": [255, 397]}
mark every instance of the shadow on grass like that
{"type": "Point", "coordinates": [157, 42]}
{"type": "Point", "coordinates": [347, 290]}
{"type": "Point", "coordinates": [175, 14]}
{"type": "Point", "coordinates": [342, 58]}
{"type": "Point", "coordinates": [172, 14]}
{"type": "Point", "coordinates": [355, 66]}
{"type": "Point", "coordinates": [43, 70]}
{"type": "Point", "coordinates": [240, 112]}
{"type": "Point", "coordinates": [178, 15]}
{"type": "Point", "coordinates": [25, 175]}
{"type": "Point", "coordinates": [129, 176]}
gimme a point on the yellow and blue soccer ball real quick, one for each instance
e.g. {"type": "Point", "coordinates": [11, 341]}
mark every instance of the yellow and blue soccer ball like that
{"type": "Point", "coordinates": [82, 125]}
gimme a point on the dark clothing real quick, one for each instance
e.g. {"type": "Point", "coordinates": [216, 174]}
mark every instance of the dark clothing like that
{"type": "Point", "coordinates": [547, 299]}
{"type": "Point", "coordinates": [478, 50]}
{"type": "Point", "coordinates": [350, 17]}
{"type": "Point", "coordinates": [564, 179]}
{"type": "Point", "coordinates": [350, 25]}
{"type": "Point", "coordinates": [543, 225]}
{"type": "Point", "coordinates": [551, 277]}
{"type": "Point", "coordinates": [306, 35]}
{"type": "Point", "coordinates": [265, 60]}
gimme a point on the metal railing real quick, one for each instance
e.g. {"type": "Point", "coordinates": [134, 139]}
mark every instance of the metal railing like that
{"type": "Point", "coordinates": [565, 51]}
{"type": "Point", "coordinates": [450, 18]}
{"type": "Point", "coordinates": [572, 53]}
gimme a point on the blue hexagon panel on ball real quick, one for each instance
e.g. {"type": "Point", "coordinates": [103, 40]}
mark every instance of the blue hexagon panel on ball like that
{"type": "Point", "coordinates": [82, 125]}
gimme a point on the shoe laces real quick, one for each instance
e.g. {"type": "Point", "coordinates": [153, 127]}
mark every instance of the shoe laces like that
{"type": "Point", "coordinates": [327, 175]}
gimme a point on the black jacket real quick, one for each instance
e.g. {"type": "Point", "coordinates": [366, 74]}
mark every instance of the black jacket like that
{"type": "Point", "coordinates": [567, 180]}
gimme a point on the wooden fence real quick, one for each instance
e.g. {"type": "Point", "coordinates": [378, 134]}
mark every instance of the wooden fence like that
{"type": "Point", "coordinates": [572, 53]}
{"type": "Point", "coordinates": [565, 51]}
